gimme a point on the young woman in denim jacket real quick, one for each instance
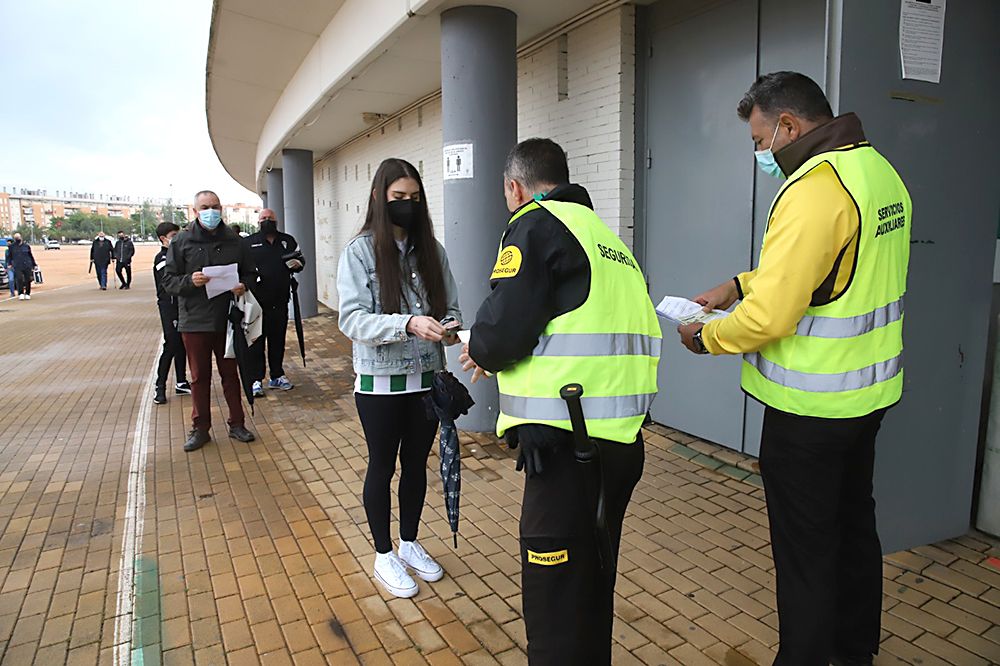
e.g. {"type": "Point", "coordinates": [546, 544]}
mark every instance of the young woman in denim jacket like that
{"type": "Point", "coordinates": [395, 287]}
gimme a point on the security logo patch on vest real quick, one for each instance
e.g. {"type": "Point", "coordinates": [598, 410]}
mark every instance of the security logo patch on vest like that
{"type": "Point", "coordinates": [548, 559]}
{"type": "Point", "coordinates": [508, 263]}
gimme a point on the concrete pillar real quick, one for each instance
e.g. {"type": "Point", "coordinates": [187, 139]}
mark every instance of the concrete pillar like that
{"type": "Point", "coordinates": [276, 195]}
{"type": "Point", "coordinates": [300, 221]}
{"type": "Point", "coordinates": [263, 199]}
{"type": "Point", "coordinates": [479, 107]}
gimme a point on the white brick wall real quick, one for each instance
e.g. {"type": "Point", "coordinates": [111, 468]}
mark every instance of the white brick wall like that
{"type": "Point", "coordinates": [594, 124]}
{"type": "Point", "coordinates": [342, 200]}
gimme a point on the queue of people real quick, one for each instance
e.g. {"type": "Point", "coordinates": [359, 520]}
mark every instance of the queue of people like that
{"type": "Point", "coordinates": [818, 322]}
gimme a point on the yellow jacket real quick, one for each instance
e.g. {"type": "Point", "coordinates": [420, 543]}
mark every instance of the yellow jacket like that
{"type": "Point", "coordinates": [812, 240]}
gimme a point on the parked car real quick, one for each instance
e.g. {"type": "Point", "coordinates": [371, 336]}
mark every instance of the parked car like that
{"type": "Point", "coordinates": [52, 245]}
{"type": "Point", "coordinates": [4, 284]}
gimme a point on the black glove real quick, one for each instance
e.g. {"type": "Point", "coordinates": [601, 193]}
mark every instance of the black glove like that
{"type": "Point", "coordinates": [534, 443]}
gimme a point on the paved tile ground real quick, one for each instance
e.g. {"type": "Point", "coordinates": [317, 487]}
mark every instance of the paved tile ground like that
{"type": "Point", "coordinates": [259, 554]}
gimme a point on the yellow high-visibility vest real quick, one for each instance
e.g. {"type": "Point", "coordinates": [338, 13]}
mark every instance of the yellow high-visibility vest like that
{"type": "Point", "coordinates": [846, 357]}
{"type": "Point", "coordinates": [610, 344]}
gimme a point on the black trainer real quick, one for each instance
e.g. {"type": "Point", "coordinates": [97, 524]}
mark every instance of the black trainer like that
{"type": "Point", "coordinates": [241, 434]}
{"type": "Point", "coordinates": [160, 396]}
{"type": "Point", "coordinates": [182, 388]}
{"type": "Point", "coordinates": [197, 439]}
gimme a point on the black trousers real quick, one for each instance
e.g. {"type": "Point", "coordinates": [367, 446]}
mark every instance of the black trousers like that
{"type": "Point", "coordinates": [126, 280]}
{"type": "Point", "coordinates": [395, 426]}
{"type": "Point", "coordinates": [827, 556]}
{"type": "Point", "coordinates": [273, 334]}
{"type": "Point", "coordinates": [22, 280]}
{"type": "Point", "coordinates": [568, 603]}
{"type": "Point", "coordinates": [173, 348]}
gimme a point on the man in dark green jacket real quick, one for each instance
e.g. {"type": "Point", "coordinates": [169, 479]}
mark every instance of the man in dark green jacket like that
{"type": "Point", "coordinates": [202, 321]}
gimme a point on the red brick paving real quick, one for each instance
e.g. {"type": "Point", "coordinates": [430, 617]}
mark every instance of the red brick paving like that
{"type": "Point", "coordinates": [259, 553]}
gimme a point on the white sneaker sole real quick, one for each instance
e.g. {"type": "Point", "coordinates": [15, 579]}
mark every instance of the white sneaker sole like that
{"type": "Point", "coordinates": [401, 592]}
{"type": "Point", "coordinates": [427, 577]}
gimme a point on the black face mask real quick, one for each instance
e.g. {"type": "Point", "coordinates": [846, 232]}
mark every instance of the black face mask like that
{"type": "Point", "coordinates": [403, 213]}
{"type": "Point", "coordinates": [17, 241]}
{"type": "Point", "coordinates": [268, 226]}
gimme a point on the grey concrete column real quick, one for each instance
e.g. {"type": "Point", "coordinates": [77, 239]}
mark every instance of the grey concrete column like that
{"type": "Point", "coordinates": [300, 221]}
{"type": "Point", "coordinates": [276, 195]}
{"type": "Point", "coordinates": [263, 199]}
{"type": "Point", "coordinates": [479, 107]}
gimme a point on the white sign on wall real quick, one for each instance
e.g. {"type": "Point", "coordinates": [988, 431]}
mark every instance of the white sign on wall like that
{"type": "Point", "coordinates": [921, 39]}
{"type": "Point", "coordinates": [458, 161]}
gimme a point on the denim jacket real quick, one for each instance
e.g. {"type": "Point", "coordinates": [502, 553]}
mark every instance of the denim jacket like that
{"type": "Point", "coordinates": [381, 344]}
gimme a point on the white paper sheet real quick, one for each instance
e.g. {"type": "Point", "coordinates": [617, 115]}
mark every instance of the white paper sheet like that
{"type": "Point", "coordinates": [220, 279]}
{"type": "Point", "coordinates": [921, 39]}
{"type": "Point", "coordinates": [679, 311]}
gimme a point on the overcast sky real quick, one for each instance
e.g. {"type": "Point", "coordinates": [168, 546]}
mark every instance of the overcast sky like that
{"type": "Point", "coordinates": [108, 97]}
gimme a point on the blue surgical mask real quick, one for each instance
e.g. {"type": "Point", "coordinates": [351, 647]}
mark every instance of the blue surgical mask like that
{"type": "Point", "coordinates": [210, 218]}
{"type": "Point", "coordinates": [766, 161]}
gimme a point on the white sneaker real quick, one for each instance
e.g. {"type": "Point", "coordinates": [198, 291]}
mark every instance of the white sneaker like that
{"type": "Point", "coordinates": [27, 297]}
{"type": "Point", "coordinates": [20, 297]}
{"type": "Point", "coordinates": [392, 574]}
{"type": "Point", "coordinates": [414, 556]}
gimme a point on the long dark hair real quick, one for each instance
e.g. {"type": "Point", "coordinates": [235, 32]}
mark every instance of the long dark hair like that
{"type": "Point", "coordinates": [421, 238]}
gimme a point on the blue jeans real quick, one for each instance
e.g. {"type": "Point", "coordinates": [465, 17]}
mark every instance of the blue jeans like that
{"type": "Point", "coordinates": [102, 275]}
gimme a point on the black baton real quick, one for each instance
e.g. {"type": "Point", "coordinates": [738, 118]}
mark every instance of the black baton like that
{"type": "Point", "coordinates": [586, 452]}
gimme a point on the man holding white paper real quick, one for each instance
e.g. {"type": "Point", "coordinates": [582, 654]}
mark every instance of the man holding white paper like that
{"type": "Point", "coordinates": [820, 329]}
{"type": "Point", "coordinates": [206, 265]}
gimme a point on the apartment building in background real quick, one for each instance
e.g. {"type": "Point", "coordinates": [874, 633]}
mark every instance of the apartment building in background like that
{"type": "Point", "coordinates": [36, 207]}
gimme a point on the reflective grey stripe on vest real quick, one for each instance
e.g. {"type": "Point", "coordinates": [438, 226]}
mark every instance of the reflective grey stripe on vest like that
{"type": "Point", "coordinates": [554, 409]}
{"type": "Point", "coordinates": [850, 327]}
{"type": "Point", "coordinates": [826, 383]}
{"type": "Point", "coordinates": [598, 344]}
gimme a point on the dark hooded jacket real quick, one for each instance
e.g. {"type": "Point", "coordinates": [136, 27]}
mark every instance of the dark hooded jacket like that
{"type": "Point", "coordinates": [193, 249]}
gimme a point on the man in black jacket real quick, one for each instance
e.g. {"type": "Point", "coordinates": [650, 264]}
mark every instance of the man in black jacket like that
{"type": "Point", "coordinates": [544, 274]}
{"type": "Point", "coordinates": [101, 252]}
{"type": "Point", "coordinates": [173, 344]}
{"type": "Point", "coordinates": [269, 247]}
{"type": "Point", "coordinates": [124, 251]}
{"type": "Point", "coordinates": [203, 321]}
{"type": "Point", "coordinates": [23, 263]}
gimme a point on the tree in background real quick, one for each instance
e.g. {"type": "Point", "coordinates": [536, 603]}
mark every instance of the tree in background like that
{"type": "Point", "coordinates": [81, 226]}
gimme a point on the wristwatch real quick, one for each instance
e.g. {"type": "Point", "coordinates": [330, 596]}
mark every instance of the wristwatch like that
{"type": "Point", "coordinates": [698, 343]}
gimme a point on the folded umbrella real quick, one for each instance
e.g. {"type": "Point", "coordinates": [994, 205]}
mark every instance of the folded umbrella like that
{"type": "Point", "coordinates": [242, 352]}
{"type": "Point", "coordinates": [297, 315]}
{"type": "Point", "coordinates": [447, 400]}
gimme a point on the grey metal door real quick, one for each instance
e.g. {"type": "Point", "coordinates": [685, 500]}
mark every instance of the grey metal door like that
{"type": "Point", "coordinates": [699, 193]}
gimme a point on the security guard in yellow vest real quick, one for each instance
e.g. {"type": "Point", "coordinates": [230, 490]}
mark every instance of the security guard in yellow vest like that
{"type": "Point", "coordinates": [568, 305]}
{"type": "Point", "coordinates": [820, 330]}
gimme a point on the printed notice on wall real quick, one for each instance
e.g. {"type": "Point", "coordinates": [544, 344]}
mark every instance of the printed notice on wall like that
{"type": "Point", "coordinates": [921, 39]}
{"type": "Point", "coordinates": [458, 161]}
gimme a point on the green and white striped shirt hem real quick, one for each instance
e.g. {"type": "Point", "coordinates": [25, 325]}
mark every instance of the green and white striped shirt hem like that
{"type": "Point", "coordinates": [393, 384]}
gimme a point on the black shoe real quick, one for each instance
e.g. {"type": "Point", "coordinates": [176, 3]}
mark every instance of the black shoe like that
{"type": "Point", "coordinates": [128, 286]}
{"type": "Point", "coordinates": [104, 288]}
{"type": "Point", "coordinates": [182, 388]}
{"type": "Point", "coordinates": [241, 434]}
{"type": "Point", "coordinates": [197, 439]}
{"type": "Point", "coordinates": [160, 396]}
{"type": "Point", "coordinates": [856, 660]}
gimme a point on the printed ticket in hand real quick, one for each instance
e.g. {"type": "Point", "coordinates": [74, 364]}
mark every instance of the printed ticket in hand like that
{"type": "Point", "coordinates": [220, 279]}
{"type": "Point", "coordinates": [680, 311]}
